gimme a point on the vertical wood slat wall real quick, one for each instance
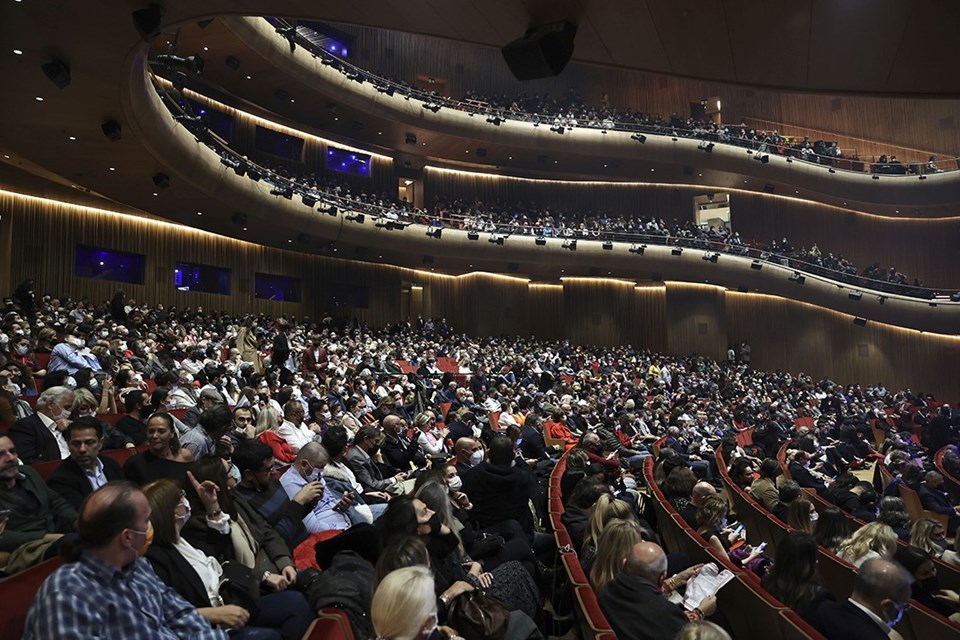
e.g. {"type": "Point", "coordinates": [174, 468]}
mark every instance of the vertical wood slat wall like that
{"type": "Point", "coordinates": [863, 239]}
{"type": "Point", "coordinates": [676, 317]}
{"type": "Point", "coordinates": [921, 125]}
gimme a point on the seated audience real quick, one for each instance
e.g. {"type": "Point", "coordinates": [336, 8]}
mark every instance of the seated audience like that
{"type": "Point", "coordinates": [832, 529]}
{"type": "Point", "coordinates": [874, 540]}
{"type": "Point", "coordinates": [605, 510]}
{"type": "Point", "coordinates": [197, 576]}
{"type": "Point", "coordinates": [802, 516]}
{"type": "Point", "coordinates": [934, 498]}
{"type": "Point", "coordinates": [85, 470]}
{"type": "Point", "coordinates": [164, 458]}
{"type": "Point", "coordinates": [86, 598]}
{"type": "Point", "coordinates": [499, 489]}
{"type": "Point", "coordinates": [764, 488]}
{"type": "Point", "coordinates": [928, 535]}
{"type": "Point", "coordinates": [632, 601]}
{"type": "Point", "coordinates": [613, 546]}
{"type": "Point", "coordinates": [404, 607]}
{"type": "Point", "coordinates": [893, 513]}
{"type": "Point", "coordinates": [39, 438]}
{"type": "Point", "coordinates": [925, 586]}
{"type": "Point", "coordinates": [366, 463]}
{"type": "Point", "coordinates": [793, 577]}
{"type": "Point", "coordinates": [881, 596]}
{"type": "Point", "coordinates": [329, 512]}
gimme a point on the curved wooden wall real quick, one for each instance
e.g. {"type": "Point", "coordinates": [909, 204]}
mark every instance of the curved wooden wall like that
{"type": "Point", "coordinates": [674, 317]}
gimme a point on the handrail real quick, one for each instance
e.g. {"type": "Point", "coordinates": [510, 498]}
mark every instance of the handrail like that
{"type": "Point", "coordinates": [770, 144]}
{"type": "Point", "coordinates": [394, 217]}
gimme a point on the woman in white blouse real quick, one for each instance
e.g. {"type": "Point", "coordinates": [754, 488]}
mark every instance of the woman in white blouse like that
{"type": "Point", "coordinates": [431, 440]}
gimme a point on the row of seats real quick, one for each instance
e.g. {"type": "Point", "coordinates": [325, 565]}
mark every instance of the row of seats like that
{"type": "Point", "coordinates": [593, 625]}
{"type": "Point", "coordinates": [836, 574]}
{"type": "Point", "coordinates": [750, 611]}
{"type": "Point", "coordinates": [950, 484]}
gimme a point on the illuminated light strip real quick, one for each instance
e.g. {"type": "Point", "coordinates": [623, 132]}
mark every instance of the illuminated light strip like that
{"type": "Point", "coordinates": [269, 124]}
{"type": "Point", "coordinates": [632, 283]}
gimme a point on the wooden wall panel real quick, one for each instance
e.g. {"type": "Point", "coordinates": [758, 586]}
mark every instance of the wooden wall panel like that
{"type": "Point", "coordinates": [918, 247]}
{"type": "Point", "coordinates": [796, 337]}
{"type": "Point", "coordinates": [922, 125]}
{"type": "Point", "coordinates": [695, 320]}
{"type": "Point", "coordinates": [677, 318]}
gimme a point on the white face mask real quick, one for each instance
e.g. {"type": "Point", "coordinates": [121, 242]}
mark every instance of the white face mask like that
{"type": "Point", "coordinates": [476, 457]}
{"type": "Point", "coordinates": [22, 350]}
{"type": "Point", "coordinates": [104, 333]}
{"type": "Point", "coordinates": [814, 516]}
{"type": "Point", "coordinates": [455, 483]}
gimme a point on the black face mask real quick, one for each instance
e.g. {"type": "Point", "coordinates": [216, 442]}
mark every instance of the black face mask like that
{"type": "Point", "coordinates": [930, 585]}
{"type": "Point", "coordinates": [374, 450]}
{"type": "Point", "coordinates": [435, 524]}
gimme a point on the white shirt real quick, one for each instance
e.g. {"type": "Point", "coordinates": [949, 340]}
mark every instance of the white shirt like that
{"type": "Point", "coordinates": [206, 567]}
{"type": "Point", "coordinates": [296, 436]}
{"type": "Point", "coordinates": [57, 435]}
{"type": "Point", "coordinates": [96, 477]}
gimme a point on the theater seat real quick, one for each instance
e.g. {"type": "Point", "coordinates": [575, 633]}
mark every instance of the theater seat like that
{"type": "Point", "coordinates": [594, 622]}
{"type": "Point", "coordinates": [571, 563]}
{"type": "Point", "coordinates": [331, 624]}
{"type": "Point", "coordinates": [16, 594]}
{"type": "Point", "coordinates": [836, 575]}
{"type": "Point", "coordinates": [46, 469]}
{"type": "Point", "coordinates": [751, 612]}
{"type": "Point", "coordinates": [179, 414]}
{"type": "Point", "coordinates": [915, 508]}
{"type": "Point", "coordinates": [793, 627]}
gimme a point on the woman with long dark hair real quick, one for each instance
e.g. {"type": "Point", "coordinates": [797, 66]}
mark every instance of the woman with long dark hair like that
{"type": "Point", "coordinates": [793, 577]}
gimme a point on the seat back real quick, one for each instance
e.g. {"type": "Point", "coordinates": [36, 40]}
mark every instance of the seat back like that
{"type": "Point", "coordinates": [16, 594]}
{"type": "Point", "coordinates": [836, 575]}
{"type": "Point", "coordinates": [592, 620]}
{"type": "Point", "coordinates": [911, 500]}
{"type": "Point", "coordinates": [793, 627]}
{"type": "Point", "coordinates": [751, 612]}
{"type": "Point", "coordinates": [330, 624]}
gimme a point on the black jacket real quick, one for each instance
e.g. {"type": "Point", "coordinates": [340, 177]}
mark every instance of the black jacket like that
{"type": "Point", "coordinates": [72, 484]}
{"type": "Point", "coordinates": [500, 492]}
{"type": "Point", "coordinates": [532, 444]}
{"type": "Point", "coordinates": [34, 441]}
{"type": "Point", "coordinates": [174, 570]}
{"type": "Point", "coordinates": [400, 452]}
{"type": "Point", "coordinates": [845, 621]}
{"type": "Point", "coordinates": [804, 478]}
{"type": "Point", "coordinates": [637, 611]}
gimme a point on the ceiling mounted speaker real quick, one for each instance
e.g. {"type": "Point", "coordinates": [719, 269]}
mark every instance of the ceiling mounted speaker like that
{"type": "Point", "coordinates": [542, 52]}
{"type": "Point", "coordinates": [57, 72]}
{"type": "Point", "coordinates": [112, 129]}
{"type": "Point", "coordinates": [147, 22]}
{"type": "Point", "coordinates": [161, 180]}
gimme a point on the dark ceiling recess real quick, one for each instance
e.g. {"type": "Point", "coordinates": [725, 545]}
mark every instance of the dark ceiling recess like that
{"type": "Point", "coordinates": [542, 52]}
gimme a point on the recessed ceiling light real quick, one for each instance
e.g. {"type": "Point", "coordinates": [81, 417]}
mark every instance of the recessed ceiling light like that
{"type": "Point", "coordinates": [39, 99]}
{"type": "Point", "coordinates": [379, 133]}
{"type": "Point", "coordinates": [17, 52]}
{"type": "Point", "coordinates": [289, 240]}
{"type": "Point", "coordinates": [73, 138]}
{"type": "Point", "coordinates": [509, 157]}
{"type": "Point", "coordinates": [467, 151]}
{"type": "Point", "coordinates": [199, 213]}
{"type": "Point", "coordinates": [292, 100]}
{"type": "Point", "coordinates": [206, 48]}
{"type": "Point", "coordinates": [155, 193]}
{"type": "Point", "coordinates": [113, 168]}
{"type": "Point", "coordinates": [244, 228]}
{"type": "Point", "coordinates": [555, 161]}
{"type": "Point", "coordinates": [6, 156]}
{"type": "Point", "coordinates": [249, 78]}
{"type": "Point", "coordinates": [652, 170]}
{"type": "Point", "coordinates": [336, 119]}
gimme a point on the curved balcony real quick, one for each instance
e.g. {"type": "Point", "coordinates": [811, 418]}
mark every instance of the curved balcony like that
{"type": "Point", "coordinates": [669, 152]}
{"type": "Point", "coordinates": [409, 242]}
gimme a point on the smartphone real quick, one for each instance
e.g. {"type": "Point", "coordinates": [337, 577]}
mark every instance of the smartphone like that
{"type": "Point", "coordinates": [739, 529]}
{"type": "Point", "coordinates": [760, 547]}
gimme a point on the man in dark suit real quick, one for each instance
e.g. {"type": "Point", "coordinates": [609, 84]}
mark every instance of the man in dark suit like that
{"type": "Point", "coordinates": [934, 498]}
{"type": "Point", "coordinates": [532, 444]}
{"type": "Point", "coordinates": [881, 595]}
{"type": "Point", "coordinates": [801, 474]}
{"type": "Point", "coordinates": [39, 438]}
{"type": "Point", "coordinates": [361, 460]}
{"type": "Point", "coordinates": [280, 352]}
{"type": "Point", "coordinates": [84, 471]}
{"type": "Point", "coordinates": [634, 605]}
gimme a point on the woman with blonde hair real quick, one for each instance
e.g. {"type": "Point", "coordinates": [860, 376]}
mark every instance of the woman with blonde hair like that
{"type": "Point", "coordinates": [268, 422]}
{"type": "Point", "coordinates": [605, 509]}
{"type": "Point", "coordinates": [875, 540]}
{"type": "Point", "coordinates": [613, 546]}
{"type": "Point", "coordinates": [928, 534]}
{"type": "Point", "coordinates": [702, 630]}
{"type": "Point", "coordinates": [404, 606]}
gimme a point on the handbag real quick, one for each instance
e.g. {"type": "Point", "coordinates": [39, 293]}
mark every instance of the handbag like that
{"type": "Point", "coordinates": [238, 586]}
{"type": "Point", "coordinates": [477, 616]}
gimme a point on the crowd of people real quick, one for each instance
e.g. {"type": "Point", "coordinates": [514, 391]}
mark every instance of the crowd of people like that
{"type": "Point", "coordinates": [271, 448]}
{"type": "Point", "coordinates": [571, 111]}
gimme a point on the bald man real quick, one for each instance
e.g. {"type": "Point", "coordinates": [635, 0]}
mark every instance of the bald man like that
{"type": "Point", "coordinates": [399, 451]}
{"type": "Point", "coordinates": [111, 591]}
{"type": "Point", "coordinates": [469, 453]}
{"type": "Point", "coordinates": [634, 604]}
{"type": "Point", "coordinates": [701, 491]}
{"type": "Point", "coordinates": [881, 595]}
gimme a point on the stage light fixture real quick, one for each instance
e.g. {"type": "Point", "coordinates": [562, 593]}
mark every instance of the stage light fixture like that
{"type": "Point", "coordinates": [540, 241]}
{"type": "Point", "coordinates": [677, 251]}
{"type": "Point", "coordinates": [112, 130]}
{"type": "Point", "coordinates": [570, 244]}
{"type": "Point", "coordinates": [498, 240]}
{"type": "Point", "coordinates": [860, 322]}
{"type": "Point", "coordinates": [639, 137]}
{"type": "Point", "coordinates": [356, 217]}
{"type": "Point", "coordinates": [435, 233]}
{"type": "Point", "coordinates": [608, 246]}
{"type": "Point", "coordinates": [638, 249]}
{"type": "Point", "coordinates": [308, 200]}
{"type": "Point", "coordinates": [797, 278]}
{"type": "Point", "coordinates": [756, 265]}
{"type": "Point", "coordinates": [855, 295]}
{"type": "Point", "coordinates": [473, 235]}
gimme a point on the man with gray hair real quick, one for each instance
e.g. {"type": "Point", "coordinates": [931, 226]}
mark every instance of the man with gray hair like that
{"type": "Point", "coordinates": [634, 604]}
{"type": "Point", "coordinates": [39, 438]}
{"type": "Point", "coordinates": [881, 595]}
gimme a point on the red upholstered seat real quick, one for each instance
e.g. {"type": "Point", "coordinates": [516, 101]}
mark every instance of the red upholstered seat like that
{"type": "Point", "coordinates": [16, 594]}
{"type": "Point", "coordinates": [793, 627]}
{"type": "Point", "coordinates": [46, 469]}
{"type": "Point", "coordinates": [574, 571]}
{"type": "Point", "coordinates": [43, 360]}
{"type": "Point", "coordinates": [179, 414]}
{"type": "Point", "coordinates": [331, 624]}
{"type": "Point", "coordinates": [110, 418]}
{"type": "Point", "coordinates": [122, 455]}
{"type": "Point", "coordinates": [594, 621]}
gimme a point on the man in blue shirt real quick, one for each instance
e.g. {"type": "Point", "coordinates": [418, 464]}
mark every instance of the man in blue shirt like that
{"type": "Point", "coordinates": [71, 355]}
{"type": "Point", "coordinates": [110, 591]}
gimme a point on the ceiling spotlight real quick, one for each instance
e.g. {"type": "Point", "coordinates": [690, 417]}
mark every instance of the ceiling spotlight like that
{"type": "Point", "coordinates": [860, 322]}
{"type": "Point", "coordinates": [356, 217]}
{"type": "Point", "coordinates": [282, 191]}
{"type": "Point", "coordinates": [676, 251]}
{"type": "Point", "coordinates": [473, 235]}
{"type": "Point", "coordinates": [855, 295]}
{"type": "Point", "coordinates": [711, 256]}
{"type": "Point", "coordinates": [570, 244]}
{"type": "Point", "coordinates": [540, 241]}
{"type": "Point", "coordinates": [495, 120]}
{"type": "Point", "coordinates": [608, 246]}
{"type": "Point", "coordinates": [559, 130]}
{"type": "Point", "coordinates": [435, 233]}
{"type": "Point", "coordinates": [308, 200]}
{"type": "Point", "coordinates": [639, 137]}
{"type": "Point", "coordinates": [797, 278]}
{"type": "Point", "coordinates": [876, 177]}
{"type": "Point", "coordinates": [756, 265]}
{"type": "Point", "coordinates": [789, 160]}
{"type": "Point", "coordinates": [638, 249]}
{"type": "Point", "coordinates": [707, 147]}
{"type": "Point", "coordinates": [923, 177]}
{"type": "Point", "coordinates": [495, 239]}
{"type": "Point", "coordinates": [331, 210]}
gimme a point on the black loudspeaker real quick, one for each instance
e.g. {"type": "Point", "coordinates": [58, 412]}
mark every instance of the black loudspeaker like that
{"type": "Point", "coordinates": [111, 129]}
{"type": "Point", "coordinates": [147, 22]}
{"type": "Point", "coordinates": [232, 62]}
{"type": "Point", "coordinates": [542, 52]}
{"type": "Point", "coordinates": [161, 180]}
{"type": "Point", "coordinates": [57, 72]}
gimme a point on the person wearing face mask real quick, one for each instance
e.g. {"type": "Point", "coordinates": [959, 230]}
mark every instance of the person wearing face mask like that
{"type": "Point", "coordinates": [365, 461]}
{"type": "Point", "coordinates": [71, 355]}
{"type": "Point", "coordinates": [39, 437]}
{"type": "Point", "coordinates": [84, 598]}
{"type": "Point", "coordinates": [329, 513]}
{"type": "Point", "coordinates": [468, 454]}
{"type": "Point", "coordinates": [22, 352]}
{"type": "Point", "coordinates": [881, 596]}
{"type": "Point", "coordinates": [925, 587]}
{"type": "Point", "coordinates": [196, 575]}
{"type": "Point", "coordinates": [404, 606]}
